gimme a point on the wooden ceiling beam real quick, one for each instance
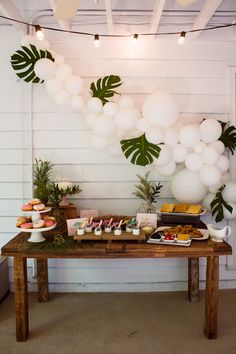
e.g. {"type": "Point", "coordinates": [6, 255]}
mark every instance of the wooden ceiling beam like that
{"type": "Point", "coordinates": [157, 11]}
{"type": "Point", "coordinates": [64, 24]}
{"type": "Point", "coordinates": [110, 24]}
{"type": "Point", "coordinates": [8, 9]}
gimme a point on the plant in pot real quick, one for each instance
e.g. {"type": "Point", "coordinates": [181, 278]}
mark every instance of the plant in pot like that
{"type": "Point", "coordinates": [147, 191]}
{"type": "Point", "coordinates": [41, 179]}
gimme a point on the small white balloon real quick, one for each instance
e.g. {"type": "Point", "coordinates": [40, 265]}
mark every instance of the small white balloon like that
{"type": "Point", "coordinates": [131, 134]}
{"type": "Point", "coordinates": [53, 85]}
{"type": "Point", "coordinates": [91, 118]}
{"type": "Point", "coordinates": [193, 161]}
{"type": "Point", "coordinates": [179, 153]}
{"type": "Point", "coordinates": [215, 187]}
{"type": "Point", "coordinates": [209, 155]}
{"type": "Point", "coordinates": [98, 142]}
{"type": "Point", "coordinates": [77, 103]}
{"type": "Point", "coordinates": [74, 85]}
{"type": "Point", "coordinates": [142, 125]}
{"type": "Point", "coordinates": [110, 108]}
{"type": "Point", "coordinates": [44, 68]}
{"type": "Point", "coordinates": [171, 136]}
{"type": "Point", "coordinates": [225, 178]}
{"type": "Point", "coordinates": [227, 214]}
{"type": "Point", "coordinates": [189, 135]}
{"type": "Point", "coordinates": [27, 40]}
{"type": "Point", "coordinates": [94, 105]}
{"type": "Point", "coordinates": [209, 175]}
{"type": "Point", "coordinates": [210, 130]}
{"type": "Point", "coordinates": [166, 170]}
{"type": "Point", "coordinates": [229, 192]}
{"type": "Point", "coordinates": [223, 163]}
{"type": "Point", "coordinates": [165, 156]}
{"type": "Point", "coordinates": [199, 147]}
{"type": "Point", "coordinates": [104, 126]}
{"type": "Point", "coordinates": [63, 71]}
{"type": "Point", "coordinates": [126, 118]}
{"type": "Point", "coordinates": [206, 202]}
{"type": "Point", "coordinates": [218, 145]}
{"type": "Point", "coordinates": [126, 102]}
{"type": "Point", "coordinates": [154, 135]}
{"type": "Point", "coordinates": [61, 97]}
{"type": "Point", "coordinates": [115, 151]}
{"type": "Point", "coordinates": [59, 59]}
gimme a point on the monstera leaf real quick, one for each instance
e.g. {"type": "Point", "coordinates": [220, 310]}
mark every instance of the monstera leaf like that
{"type": "Point", "coordinates": [141, 151]}
{"type": "Point", "coordinates": [217, 205]}
{"type": "Point", "coordinates": [228, 136]}
{"type": "Point", "coordinates": [105, 87]}
{"type": "Point", "coordinates": [23, 62]}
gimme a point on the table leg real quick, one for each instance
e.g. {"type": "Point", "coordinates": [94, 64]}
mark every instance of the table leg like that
{"type": "Point", "coordinates": [211, 297]}
{"type": "Point", "coordinates": [42, 276]}
{"type": "Point", "coordinates": [21, 298]}
{"type": "Point", "coordinates": [193, 279]}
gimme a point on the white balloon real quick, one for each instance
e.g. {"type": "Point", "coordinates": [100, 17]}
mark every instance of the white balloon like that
{"type": "Point", "coordinates": [171, 136]}
{"type": "Point", "coordinates": [131, 134]}
{"type": "Point", "coordinates": [142, 125]}
{"type": "Point", "coordinates": [215, 187]}
{"type": "Point", "coordinates": [91, 118]}
{"type": "Point", "coordinates": [189, 135]}
{"type": "Point", "coordinates": [44, 68]}
{"type": "Point", "coordinates": [209, 155]}
{"type": "Point", "coordinates": [63, 71]}
{"type": "Point", "coordinates": [209, 175]}
{"type": "Point", "coordinates": [179, 153]}
{"type": "Point", "coordinates": [115, 150]}
{"type": "Point", "coordinates": [154, 135]}
{"type": "Point", "coordinates": [94, 105]}
{"type": "Point", "coordinates": [186, 187]}
{"type": "Point", "coordinates": [210, 130]}
{"type": "Point", "coordinates": [61, 97]}
{"type": "Point", "coordinates": [42, 44]}
{"type": "Point", "coordinates": [160, 109]}
{"type": "Point", "coordinates": [199, 147]}
{"type": "Point", "coordinates": [218, 145]}
{"type": "Point", "coordinates": [27, 40]}
{"type": "Point", "coordinates": [126, 118]}
{"type": "Point", "coordinates": [206, 203]}
{"type": "Point", "coordinates": [227, 214]}
{"type": "Point", "coordinates": [193, 162]}
{"type": "Point", "coordinates": [166, 170]}
{"type": "Point", "coordinates": [223, 163]}
{"type": "Point", "coordinates": [165, 156]}
{"type": "Point", "coordinates": [225, 178]}
{"type": "Point", "coordinates": [104, 126]}
{"type": "Point", "coordinates": [126, 102]}
{"type": "Point", "coordinates": [110, 108]}
{"type": "Point", "coordinates": [59, 59]}
{"type": "Point", "coordinates": [53, 85]}
{"type": "Point", "coordinates": [229, 192]}
{"type": "Point", "coordinates": [74, 85]}
{"type": "Point", "coordinates": [77, 103]}
{"type": "Point", "coordinates": [98, 142]}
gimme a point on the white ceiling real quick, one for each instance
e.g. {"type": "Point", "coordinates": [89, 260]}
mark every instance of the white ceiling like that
{"type": "Point", "coordinates": [130, 16]}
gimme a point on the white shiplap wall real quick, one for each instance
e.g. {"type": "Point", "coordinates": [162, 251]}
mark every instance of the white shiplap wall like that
{"type": "Point", "coordinates": [196, 74]}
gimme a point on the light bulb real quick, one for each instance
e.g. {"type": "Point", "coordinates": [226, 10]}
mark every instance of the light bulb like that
{"type": "Point", "coordinates": [135, 37]}
{"type": "Point", "coordinates": [96, 41]}
{"type": "Point", "coordinates": [181, 38]}
{"type": "Point", "coordinates": [39, 33]}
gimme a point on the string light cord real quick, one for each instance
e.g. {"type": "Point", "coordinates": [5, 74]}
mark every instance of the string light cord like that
{"type": "Point", "coordinates": [119, 35]}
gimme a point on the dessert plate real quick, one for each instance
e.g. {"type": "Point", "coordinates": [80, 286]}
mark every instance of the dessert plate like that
{"type": "Point", "coordinates": [204, 232]}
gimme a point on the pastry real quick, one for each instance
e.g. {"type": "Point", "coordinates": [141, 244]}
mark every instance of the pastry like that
{"type": "Point", "coordinates": [27, 207]}
{"type": "Point", "coordinates": [21, 220]}
{"type": "Point", "coordinates": [47, 217]}
{"type": "Point", "coordinates": [38, 224]}
{"type": "Point", "coordinates": [39, 207]}
{"type": "Point", "coordinates": [34, 201]}
{"type": "Point", "coordinates": [27, 225]}
{"type": "Point", "coordinates": [194, 209]}
{"type": "Point", "coordinates": [167, 208]}
{"type": "Point", "coordinates": [181, 208]}
{"type": "Point", "coordinates": [48, 223]}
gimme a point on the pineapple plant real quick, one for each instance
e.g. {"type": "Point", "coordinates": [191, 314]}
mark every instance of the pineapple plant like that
{"type": "Point", "coordinates": [41, 173]}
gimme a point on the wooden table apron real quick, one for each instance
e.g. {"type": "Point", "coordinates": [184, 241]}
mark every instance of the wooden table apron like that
{"type": "Point", "coordinates": [20, 249]}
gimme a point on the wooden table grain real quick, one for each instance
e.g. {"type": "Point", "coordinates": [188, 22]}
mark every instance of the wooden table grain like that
{"type": "Point", "coordinates": [21, 249]}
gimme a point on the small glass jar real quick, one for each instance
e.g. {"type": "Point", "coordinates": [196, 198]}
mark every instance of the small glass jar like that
{"type": "Point", "coordinates": [88, 228]}
{"type": "Point", "coordinates": [80, 231]}
{"type": "Point", "coordinates": [98, 231]}
{"type": "Point", "coordinates": [108, 229]}
{"type": "Point", "coordinates": [117, 232]}
{"type": "Point", "coordinates": [129, 228]}
{"type": "Point", "coordinates": [136, 231]}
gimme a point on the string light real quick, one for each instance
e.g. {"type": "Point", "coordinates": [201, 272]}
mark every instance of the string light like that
{"type": "Point", "coordinates": [39, 32]}
{"type": "Point", "coordinates": [96, 41]}
{"type": "Point", "coordinates": [181, 38]}
{"type": "Point", "coordinates": [135, 37]}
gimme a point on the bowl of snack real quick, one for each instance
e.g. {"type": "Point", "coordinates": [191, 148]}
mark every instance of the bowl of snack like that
{"type": "Point", "coordinates": [168, 237]}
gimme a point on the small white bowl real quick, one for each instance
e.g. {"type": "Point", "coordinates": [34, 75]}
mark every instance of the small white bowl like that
{"type": "Point", "coordinates": [108, 229]}
{"type": "Point", "coordinates": [80, 232]}
{"type": "Point", "coordinates": [98, 231]}
{"type": "Point", "coordinates": [136, 231]}
{"type": "Point", "coordinates": [117, 232]}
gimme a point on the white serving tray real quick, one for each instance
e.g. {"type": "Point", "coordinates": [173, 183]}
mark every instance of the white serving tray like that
{"type": "Point", "coordinates": [180, 214]}
{"type": "Point", "coordinates": [204, 232]}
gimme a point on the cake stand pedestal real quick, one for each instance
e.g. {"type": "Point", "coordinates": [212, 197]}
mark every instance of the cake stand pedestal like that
{"type": "Point", "coordinates": [36, 234]}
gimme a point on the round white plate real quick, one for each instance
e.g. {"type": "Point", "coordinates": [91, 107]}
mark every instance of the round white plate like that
{"type": "Point", "coordinates": [31, 212]}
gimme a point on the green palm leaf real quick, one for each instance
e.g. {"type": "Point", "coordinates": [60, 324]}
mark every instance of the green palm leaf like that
{"type": "Point", "coordinates": [104, 88]}
{"type": "Point", "coordinates": [141, 151]}
{"type": "Point", "coordinates": [228, 136]}
{"type": "Point", "coordinates": [217, 205]}
{"type": "Point", "coordinates": [23, 62]}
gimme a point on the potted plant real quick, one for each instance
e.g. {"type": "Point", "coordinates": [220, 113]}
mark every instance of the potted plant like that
{"type": "Point", "coordinates": [41, 179]}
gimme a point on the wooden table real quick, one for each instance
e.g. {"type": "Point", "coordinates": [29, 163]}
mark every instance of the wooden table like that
{"type": "Point", "coordinates": [20, 249]}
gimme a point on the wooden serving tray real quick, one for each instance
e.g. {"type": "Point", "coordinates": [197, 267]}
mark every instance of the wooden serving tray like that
{"type": "Point", "coordinates": [125, 236]}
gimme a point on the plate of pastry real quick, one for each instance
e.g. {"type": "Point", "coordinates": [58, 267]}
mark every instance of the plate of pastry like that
{"type": "Point", "coordinates": [181, 209]}
{"type": "Point", "coordinates": [186, 230]}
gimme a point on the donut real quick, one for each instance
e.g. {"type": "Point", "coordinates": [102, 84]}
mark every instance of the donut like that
{"type": "Point", "coordinates": [48, 223]}
{"type": "Point", "coordinates": [39, 207]}
{"type": "Point", "coordinates": [47, 217]}
{"type": "Point", "coordinates": [27, 207]}
{"type": "Point", "coordinates": [21, 220]}
{"type": "Point", "coordinates": [34, 201]}
{"type": "Point", "coordinates": [27, 225]}
{"type": "Point", "coordinates": [38, 224]}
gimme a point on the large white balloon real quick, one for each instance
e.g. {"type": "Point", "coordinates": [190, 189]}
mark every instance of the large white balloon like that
{"type": "Point", "coordinates": [210, 130]}
{"type": "Point", "coordinates": [209, 175]}
{"type": "Point", "coordinates": [44, 68]}
{"type": "Point", "coordinates": [94, 105]}
{"type": "Point", "coordinates": [171, 136]}
{"type": "Point", "coordinates": [115, 150]}
{"type": "Point", "coordinates": [193, 162]}
{"type": "Point", "coordinates": [189, 135]}
{"type": "Point", "coordinates": [104, 125]}
{"type": "Point", "coordinates": [165, 156]}
{"type": "Point", "coordinates": [179, 153]}
{"type": "Point", "coordinates": [209, 155]}
{"type": "Point", "coordinates": [160, 109]}
{"type": "Point", "coordinates": [126, 118]}
{"type": "Point", "coordinates": [229, 192]}
{"type": "Point", "coordinates": [61, 97]}
{"type": "Point", "coordinates": [218, 145]}
{"type": "Point", "coordinates": [126, 102]}
{"type": "Point", "coordinates": [98, 142]}
{"type": "Point", "coordinates": [63, 71]}
{"type": "Point", "coordinates": [74, 85]}
{"type": "Point", "coordinates": [53, 85]}
{"type": "Point", "coordinates": [214, 188]}
{"type": "Point", "coordinates": [59, 59]}
{"type": "Point", "coordinates": [227, 214]}
{"type": "Point", "coordinates": [199, 147]}
{"type": "Point", "coordinates": [142, 125]}
{"type": "Point", "coordinates": [206, 203]}
{"type": "Point", "coordinates": [225, 178]}
{"type": "Point", "coordinates": [154, 135]}
{"type": "Point", "coordinates": [166, 170]}
{"type": "Point", "coordinates": [110, 108]}
{"type": "Point", "coordinates": [77, 103]}
{"type": "Point", "coordinates": [223, 163]}
{"type": "Point", "coordinates": [186, 187]}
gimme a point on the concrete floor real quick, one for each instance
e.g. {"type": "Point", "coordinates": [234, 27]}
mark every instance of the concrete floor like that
{"type": "Point", "coordinates": [119, 323]}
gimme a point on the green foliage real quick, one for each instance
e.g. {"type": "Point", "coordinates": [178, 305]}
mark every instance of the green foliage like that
{"type": "Point", "coordinates": [41, 172]}
{"type": "Point", "coordinates": [140, 150]}
{"type": "Point", "coordinates": [56, 194]}
{"type": "Point", "coordinates": [23, 61]}
{"type": "Point", "coordinates": [217, 205]}
{"type": "Point", "coordinates": [146, 190]}
{"type": "Point", "coordinates": [104, 88]}
{"type": "Point", "coordinates": [228, 136]}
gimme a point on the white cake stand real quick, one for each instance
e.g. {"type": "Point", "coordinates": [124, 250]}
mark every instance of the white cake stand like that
{"type": "Point", "coordinates": [36, 234]}
{"type": "Point", "coordinates": [35, 214]}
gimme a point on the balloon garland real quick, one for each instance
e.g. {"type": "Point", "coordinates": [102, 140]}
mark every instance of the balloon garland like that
{"type": "Point", "coordinates": [153, 135]}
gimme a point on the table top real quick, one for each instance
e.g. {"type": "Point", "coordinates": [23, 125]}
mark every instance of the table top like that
{"type": "Point", "coordinates": [19, 246]}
